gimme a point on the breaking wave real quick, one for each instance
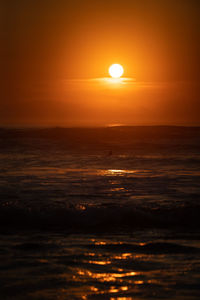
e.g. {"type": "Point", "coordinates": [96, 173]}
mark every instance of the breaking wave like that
{"type": "Point", "coordinates": [102, 218]}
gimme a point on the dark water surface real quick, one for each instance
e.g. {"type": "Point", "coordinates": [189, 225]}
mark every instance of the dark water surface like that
{"type": "Point", "coordinates": [105, 213]}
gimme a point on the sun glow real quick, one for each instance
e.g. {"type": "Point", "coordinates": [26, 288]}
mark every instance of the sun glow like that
{"type": "Point", "coordinates": [116, 71]}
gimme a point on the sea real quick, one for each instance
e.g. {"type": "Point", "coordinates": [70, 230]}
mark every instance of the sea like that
{"type": "Point", "coordinates": [109, 213]}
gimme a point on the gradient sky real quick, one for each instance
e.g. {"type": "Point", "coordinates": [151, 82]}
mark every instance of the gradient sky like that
{"type": "Point", "coordinates": [55, 54]}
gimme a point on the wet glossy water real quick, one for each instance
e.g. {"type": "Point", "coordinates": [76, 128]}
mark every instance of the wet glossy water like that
{"type": "Point", "coordinates": [145, 265]}
{"type": "Point", "coordinates": [100, 214]}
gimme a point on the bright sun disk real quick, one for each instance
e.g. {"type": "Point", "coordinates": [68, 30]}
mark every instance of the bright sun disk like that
{"type": "Point", "coordinates": [116, 71]}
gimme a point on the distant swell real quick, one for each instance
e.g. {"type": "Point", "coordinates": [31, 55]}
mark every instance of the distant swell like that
{"type": "Point", "coordinates": [146, 248]}
{"type": "Point", "coordinates": [102, 218]}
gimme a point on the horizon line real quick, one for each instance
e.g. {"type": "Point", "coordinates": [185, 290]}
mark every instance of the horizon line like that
{"type": "Point", "coordinates": [92, 126]}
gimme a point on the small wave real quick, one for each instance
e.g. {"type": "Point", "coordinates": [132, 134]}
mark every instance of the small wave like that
{"type": "Point", "coordinates": [99, 218]}
{"type": "Point", "coordinates": [147, 248]}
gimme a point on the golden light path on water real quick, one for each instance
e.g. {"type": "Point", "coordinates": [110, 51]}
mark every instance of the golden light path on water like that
{"type": "Point", "coordinates": [116, 280]}
{"type": "Point", "coordinates": [63, 171]}
{"type": "Point", "coordinates": [118, 172]}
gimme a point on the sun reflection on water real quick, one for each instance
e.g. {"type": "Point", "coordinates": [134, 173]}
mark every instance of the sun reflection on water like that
{"type": "Point", "coordinates": [106, 277]}
{"type": "Point", "coordinates": [117, 189]}
{"type": "Point", "coordinates": [94, 289]}
{"type": "Point", "coordinates": [138, 282]}
{"type": "Point", "coordinates": [90, 254]}
{"type": "Point", "coordinates": [112, 289]}
{"type": "Point", "coordinates": [96, 262]}
{"type": "Point", "coordinates": [123, 256]}
{"type": "Point", "coordinates": [118, 172]}
{"type": "Point", "coordinates": [121, 298]}
{"type": "Point", "coordinates": [100, 243]}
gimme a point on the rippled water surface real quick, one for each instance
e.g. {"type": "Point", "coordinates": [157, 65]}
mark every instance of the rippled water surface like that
{"type": "Point", "coordinates": [110, 213]}
{"type": "Point", "coordinates": [144, 265]}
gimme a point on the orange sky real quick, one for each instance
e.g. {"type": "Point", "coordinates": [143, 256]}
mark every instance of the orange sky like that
{"type": "Point", "coordinates": [54, 51]}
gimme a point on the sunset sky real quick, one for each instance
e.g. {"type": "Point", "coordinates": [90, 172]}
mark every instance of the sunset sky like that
{"type": "Point", "coordinates": [56, 54]}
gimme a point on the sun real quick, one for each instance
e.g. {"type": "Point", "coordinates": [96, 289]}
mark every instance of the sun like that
{"type": "Point", "coordinates": [116, 70]}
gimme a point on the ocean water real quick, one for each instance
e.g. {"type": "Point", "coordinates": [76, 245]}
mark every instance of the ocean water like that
{"type": "Point", "coordinates": [100, 213]}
